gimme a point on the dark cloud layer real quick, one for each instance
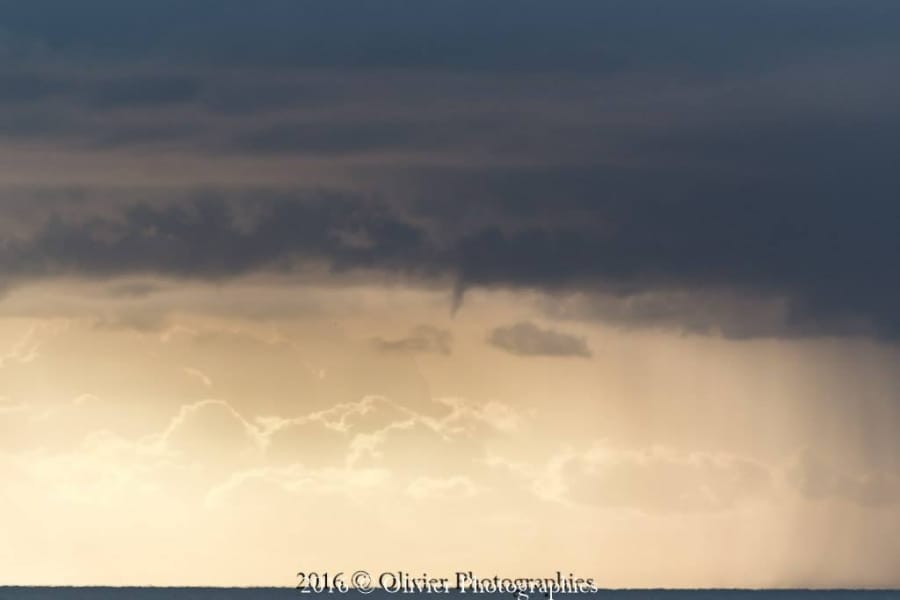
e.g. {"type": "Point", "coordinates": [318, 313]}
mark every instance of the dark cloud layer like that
{"type": "Point", "coordinates": [574, 35]}
{"type": "Point", "coordinates": [655, 158]}
{"type": "Point", "coordinates": [832, 262]}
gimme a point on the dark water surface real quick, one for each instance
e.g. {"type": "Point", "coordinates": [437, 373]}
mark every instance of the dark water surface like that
{"type": "Point", "coordinates": [137, 593]}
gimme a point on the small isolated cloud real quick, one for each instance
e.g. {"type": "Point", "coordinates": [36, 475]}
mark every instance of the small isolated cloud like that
{"type": "Point", "coordinates": [527, 339]}
{"type": "Point", "coordinates": [424, 338]}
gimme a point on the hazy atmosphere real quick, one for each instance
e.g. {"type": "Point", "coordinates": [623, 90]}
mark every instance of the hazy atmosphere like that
{"type": "Point", "coordinates": [511, 286]}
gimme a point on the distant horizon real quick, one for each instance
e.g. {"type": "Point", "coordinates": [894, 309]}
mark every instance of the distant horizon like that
{"type": "Point", "coordinates": [599, 591]}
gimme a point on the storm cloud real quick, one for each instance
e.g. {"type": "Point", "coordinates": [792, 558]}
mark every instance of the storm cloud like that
{"type": "Point", "coordinates": [825, 266]}
{"type": "Point", "coordinates": [628, 163]}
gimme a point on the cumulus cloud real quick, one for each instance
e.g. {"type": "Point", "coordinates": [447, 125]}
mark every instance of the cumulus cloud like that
{"type": "Point", "coordinates": [368, 414]}
{"type": "Point", "coordinates": [199, 375]}
{"type": "Point", "coordinates": [213, 432]}
{"type": "Point", "coordinates": [656, 479]}
{"type": "Point", "coordinates": [527, 339]}
{"type": "Point", "coordinates": [308, 441]}
{"type": "Point", "coordinates": [295, 480]}
{"type": "Point", "coordinates": [26, 349]}
{"type": "Point", "coordinates": [452, 442]}
{"type": "Point", "coordinates": [466, 416]}
{"type": "Point", "coordinates": [817, 480]}
{"type": "Point", "coordinates": [374, 432]}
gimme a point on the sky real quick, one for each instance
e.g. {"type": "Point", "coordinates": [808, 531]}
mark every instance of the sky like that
{"type": "Point", "coordinates": [509, 286]}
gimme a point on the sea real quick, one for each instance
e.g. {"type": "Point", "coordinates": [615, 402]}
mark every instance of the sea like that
{"type": "Point", "coordinates": [196, 593]}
